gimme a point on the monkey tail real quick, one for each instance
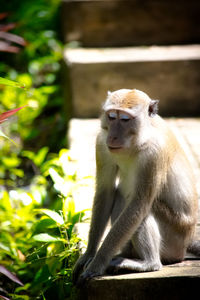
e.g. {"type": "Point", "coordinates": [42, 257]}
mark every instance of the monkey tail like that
{"type": "Point", "coordinates": [194, 248]}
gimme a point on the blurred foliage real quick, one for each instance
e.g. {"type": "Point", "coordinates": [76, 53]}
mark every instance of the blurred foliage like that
{"type": "Point", "coordinates": [37, 66]}
{"type": "Point", "coordinates": [36, 243]}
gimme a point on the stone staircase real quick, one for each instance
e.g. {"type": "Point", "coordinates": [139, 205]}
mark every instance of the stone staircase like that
{"type": "Point", "coordinates": [153, 46]}
{"type": "Point", "coordinates": [119, 23]}
{"type": "Point", "coordinates": [168, 73]}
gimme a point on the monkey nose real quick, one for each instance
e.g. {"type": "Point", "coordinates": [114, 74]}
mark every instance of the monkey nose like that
{"type": "Point", "coordinates": [113, 142]}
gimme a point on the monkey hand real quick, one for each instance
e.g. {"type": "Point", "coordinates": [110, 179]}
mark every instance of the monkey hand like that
{"type": "Point", "coordinates": [93, 269]}
{"type": "Point", "coordinates": [80, 265]}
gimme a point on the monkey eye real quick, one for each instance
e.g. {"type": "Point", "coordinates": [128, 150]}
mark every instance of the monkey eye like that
{"type": "Point", "coordinates": [112, 115]}
{"type": "Point", "coordinates": [124, 117]}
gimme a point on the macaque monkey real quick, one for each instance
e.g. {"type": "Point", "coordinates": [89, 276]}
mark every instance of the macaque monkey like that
{"type": "Point", "coordinates": [145, 186]}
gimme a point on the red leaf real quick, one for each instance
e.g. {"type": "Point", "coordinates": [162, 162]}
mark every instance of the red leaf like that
{"type": "Point", "coordinates": [3, 15]}
{"type": "Point", "coordinates": [3, 297]}
{"type": "Point", "coordinates": [7, 114]}
{"type": "Point", "coordinates": [10, 275]}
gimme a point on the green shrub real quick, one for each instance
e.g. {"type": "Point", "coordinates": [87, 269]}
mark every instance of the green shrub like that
{"type": "Point", "coordinates": [39, 244]}
{"type": "Point", "coordinates": [37, 66]}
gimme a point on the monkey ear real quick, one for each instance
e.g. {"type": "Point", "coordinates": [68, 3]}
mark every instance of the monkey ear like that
{"type": "Point", "coordinates": [153, 108]}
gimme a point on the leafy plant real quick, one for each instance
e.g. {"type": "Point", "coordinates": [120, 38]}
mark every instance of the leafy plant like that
{"type": "Point", "coordinates": [39, 244]}
{"type": "Point", "coordinates": [38, 207]}
{"type": "Point", "coordinates": [38, 66]}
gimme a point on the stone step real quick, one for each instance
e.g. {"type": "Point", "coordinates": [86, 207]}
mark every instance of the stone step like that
{"type": "Point", "coordinates": [108, 23]}
{"type": "Point", "coordinates": [175, 282]}
{"type": "Point", "coordinates": [168, 73]}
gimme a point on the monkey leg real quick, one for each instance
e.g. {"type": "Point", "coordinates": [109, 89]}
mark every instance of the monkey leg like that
{"type": "Point", "coordinates": [145, 250]}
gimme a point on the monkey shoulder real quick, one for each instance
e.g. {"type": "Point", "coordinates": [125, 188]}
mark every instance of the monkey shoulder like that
{"type": "Point", "coordinates": [163, 136]}
{"type": "Point", "coordinates": [101, 147]}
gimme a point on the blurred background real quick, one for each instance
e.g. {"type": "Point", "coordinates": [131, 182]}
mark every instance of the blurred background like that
{"type": "Point", "coordinates": [66, 54]}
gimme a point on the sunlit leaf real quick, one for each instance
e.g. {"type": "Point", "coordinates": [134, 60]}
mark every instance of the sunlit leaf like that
{"type": "Point", "coordinates": [78, 217]}
{"type": "Point", "coordinates": [12, 83]}
{"type": "Point", "coordinates": [56, 177]}
{"type": "Point", "coordinates": [18, 172]}
{"type": "Point", "coordinates": [5, 202]}
{"type": "Point", "coordinates": [46, 238]}
{"type": "Point", "coordinates": [40, 157]}
{"type": "Point", "coordinates": [53, 215]}
{"type": "Point", "coordinates": [11, 162]}
{"type": "Point", "coordinates": [4, 247]}
{"type": "Point", "coordinates": [5, 136]}
{"type": "Point", "coordinates": [69, 208]}
{"type": "Point", "coordinates": [28, 154]}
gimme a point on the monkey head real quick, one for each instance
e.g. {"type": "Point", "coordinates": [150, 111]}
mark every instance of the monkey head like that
{"type": "Point", "coordinates": [125, 113]}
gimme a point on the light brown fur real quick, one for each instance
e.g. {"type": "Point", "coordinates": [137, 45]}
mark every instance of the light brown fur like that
{"type": "Point", "coordinates": [131, 99]}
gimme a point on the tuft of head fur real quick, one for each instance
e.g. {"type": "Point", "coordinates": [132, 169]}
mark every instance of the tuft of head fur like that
{"type": "Point", "coordinates": [126, 99]}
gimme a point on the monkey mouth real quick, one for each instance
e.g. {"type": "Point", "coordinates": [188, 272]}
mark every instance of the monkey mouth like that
{"type": "Point", "coordinates": [115, 149]}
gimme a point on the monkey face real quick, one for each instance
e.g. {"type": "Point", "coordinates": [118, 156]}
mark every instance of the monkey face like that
{"type": "Point", "coordinates": [126, 114]}
{"type": "Point", "coordinates": [121, 127]}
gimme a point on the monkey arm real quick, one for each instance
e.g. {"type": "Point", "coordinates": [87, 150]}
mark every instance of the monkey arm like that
{"type": "Point", "coordinates": [102, 206]}
{"type": "Point", "coordinates": [103, 200]}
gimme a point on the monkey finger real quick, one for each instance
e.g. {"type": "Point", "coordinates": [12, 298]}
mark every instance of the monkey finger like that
{"type": "Point", "coordinates": [85, 278]}
{"type": "Point", "coordinates": [87, 263]}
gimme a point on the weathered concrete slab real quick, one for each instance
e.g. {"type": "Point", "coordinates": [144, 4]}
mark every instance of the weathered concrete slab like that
{"type": "Point", "coordinates": [172, 282]}
{"type": "Point", "coordinates": [170, 74]}
{"type": "Point", "coordinates": [105, 23]}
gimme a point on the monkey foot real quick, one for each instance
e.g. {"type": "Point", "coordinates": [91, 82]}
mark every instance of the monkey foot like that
{"type": "Point", "coordinates": [122, 265]}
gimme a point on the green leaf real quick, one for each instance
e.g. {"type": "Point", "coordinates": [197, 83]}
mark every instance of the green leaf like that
{"type": "Point", "coordinates": [28, 154]}
{"type": "Point", "coordinates": [12, 83]}
{"type": "Point", "coordinates": [5, 203]}
{"type": "Point", "coordinates": [40, 157]}
{"type": "Point", "coordinates": [11, 162]}
{"type": "Point", "coordinates": [4, 247]}
{"type": "Point", "coordinates": [19, 297]}
{"type": "Point", "coordinates": [46, 238]}
{"type": "Point", "coordinates": [69, 208]}
{"type": "Point", "coordinates": [42, 275]}
{"type": "Point", "coordinates": [78, 217]}
{"type": "Point", "coordinates": [52, 214]}
{"type": "Point", "coordinates": [43, 224]}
